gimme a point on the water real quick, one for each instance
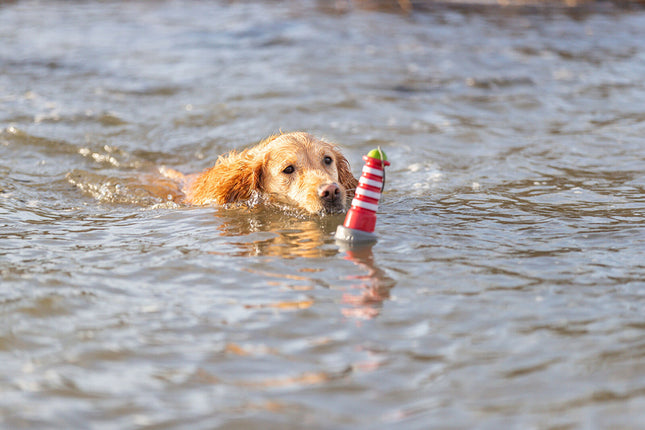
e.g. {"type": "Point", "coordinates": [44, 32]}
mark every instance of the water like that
{"type": "Point", "coordinates": [506, 288]}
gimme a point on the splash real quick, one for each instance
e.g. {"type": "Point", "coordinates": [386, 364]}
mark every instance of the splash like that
{"type": "Point", "coordinates": [142, 190]}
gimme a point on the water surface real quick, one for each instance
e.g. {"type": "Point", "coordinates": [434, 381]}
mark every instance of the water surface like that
{"type": "Point", "coordinates": [506, 288]}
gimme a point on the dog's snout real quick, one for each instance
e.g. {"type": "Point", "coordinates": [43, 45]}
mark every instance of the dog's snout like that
{"type": "Point", "coordinates": [329, 192]}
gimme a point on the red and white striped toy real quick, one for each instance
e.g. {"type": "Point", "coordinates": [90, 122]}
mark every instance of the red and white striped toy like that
{"type": "Point", "coordinates": [361, 219]}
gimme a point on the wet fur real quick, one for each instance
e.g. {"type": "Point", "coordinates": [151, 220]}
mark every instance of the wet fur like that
{"type": "Point", "coordinates": [237, 176]}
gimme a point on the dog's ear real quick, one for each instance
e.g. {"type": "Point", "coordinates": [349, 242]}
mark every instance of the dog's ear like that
{"type": "Point", "coordinates": [238, 176]}
{"type": "Point", "coordinates": [345, 176]}
{"type": "Point", "coordinates": [232, 179]}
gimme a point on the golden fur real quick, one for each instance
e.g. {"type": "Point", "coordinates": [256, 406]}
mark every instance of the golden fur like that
{"type": "Point", "coordinates": [293, 168]}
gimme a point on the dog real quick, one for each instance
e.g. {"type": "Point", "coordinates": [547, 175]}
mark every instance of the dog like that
{"type": "Point", "coordinates": [296, 169]}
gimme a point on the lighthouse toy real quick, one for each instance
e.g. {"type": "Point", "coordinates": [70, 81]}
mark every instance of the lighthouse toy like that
{"type": "Point", "coordinates": [360, 221]}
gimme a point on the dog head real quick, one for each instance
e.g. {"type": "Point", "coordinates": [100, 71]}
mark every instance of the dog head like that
{"type": "Point", "coordinates": [293, 168]}
{"type": "Point", "coordinates": [306, 172]}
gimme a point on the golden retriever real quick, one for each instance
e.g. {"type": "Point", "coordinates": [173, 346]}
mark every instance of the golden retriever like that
{"type": "Point", "coordinates": [291, 168]}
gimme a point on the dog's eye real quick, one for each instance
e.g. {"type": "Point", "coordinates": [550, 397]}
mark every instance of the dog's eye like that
{"type": "Point", "coordinates": [328, 160]}
{"type": "Point", "coordinates": [288, 170]}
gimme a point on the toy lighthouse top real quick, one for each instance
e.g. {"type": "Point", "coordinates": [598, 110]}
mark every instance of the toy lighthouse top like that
{"type": "Point", "coordinates": [361, 218]}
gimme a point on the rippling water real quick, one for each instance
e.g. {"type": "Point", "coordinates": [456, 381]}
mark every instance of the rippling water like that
{"type": "Point", "coordinates": [507, 286]}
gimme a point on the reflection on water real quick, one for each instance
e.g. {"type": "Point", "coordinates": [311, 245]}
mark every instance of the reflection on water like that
{"type": "Point", "coordinates": [366, 297]}
{"type": "Point", "coordinates": [282, 235]}
{"type": "Point", "coordinates": [290, 237]}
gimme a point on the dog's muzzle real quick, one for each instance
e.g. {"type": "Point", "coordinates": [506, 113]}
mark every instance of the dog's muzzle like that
{"type": "Point", "coordinates": [332, 198]}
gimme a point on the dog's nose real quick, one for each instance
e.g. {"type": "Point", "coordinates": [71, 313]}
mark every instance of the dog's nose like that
{"type": "Point", "coordinates": [329, 192]}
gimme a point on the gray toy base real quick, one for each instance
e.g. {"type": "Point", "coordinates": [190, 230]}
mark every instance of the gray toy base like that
{"type": "Point", "coordinates": [351, 235]}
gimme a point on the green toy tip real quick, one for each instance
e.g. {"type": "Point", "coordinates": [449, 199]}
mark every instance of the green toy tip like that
{"type": "Point", "coordinates": [378, 154]}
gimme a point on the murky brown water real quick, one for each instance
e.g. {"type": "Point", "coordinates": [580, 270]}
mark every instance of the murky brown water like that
{"type": "Point", "coordinates": [507, 287]}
